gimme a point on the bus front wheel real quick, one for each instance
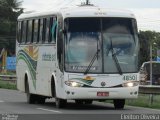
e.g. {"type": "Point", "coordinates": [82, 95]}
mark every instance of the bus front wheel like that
{"type": "Point", "coordinates": [60, 103]}
{"type": "Point", "coordinates": [79, 102]}
{"type": "Point", "coordinates": [119, 103]}
{"type": "Point", "coordinates": [31, 98]}
{"type": "Point", "coordinates": [83, 102]}
{"type": "Point", "coordinates": [88, 102]}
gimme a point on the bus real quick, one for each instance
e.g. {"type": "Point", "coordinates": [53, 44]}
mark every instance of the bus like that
{"type": "Point", "coordinates": [81, 53]}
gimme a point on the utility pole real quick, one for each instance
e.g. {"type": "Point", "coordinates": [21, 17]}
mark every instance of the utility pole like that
{"type": "Point", "coordinates": [151, 63]}
{"type": "Point", "coordinates": [4, 56]}
{"type": "Point", "coordinates": [87, 2]}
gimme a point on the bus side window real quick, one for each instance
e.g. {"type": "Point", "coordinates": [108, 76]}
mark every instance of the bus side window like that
{"type": "Point", "coordinates": [47, 30]}
{"type": "Point", "coordinates": [32, 32]}
{"type": "Point", "coordinates": [38, 35]}
{"type": "Point", "coordinates": [24, 31]}
{"type": "Point", "coordinates": [50, 29]}
{"type": "Point", "coordinates": [19, 31]}
{"type": "Point", "coordinates": [35, 33]}
{"type": "Point", "coordinates": [29, 33]}
{"type": "Point", "coordinates": [53, 29]}
{"type": "Point", "coordinates": [40, 31]}
{"type": "Point", "coordinates": [44, 30]}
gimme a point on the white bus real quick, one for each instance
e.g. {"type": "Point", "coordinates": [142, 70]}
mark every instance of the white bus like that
{"type": "Point", "coordinates": [82, 53]}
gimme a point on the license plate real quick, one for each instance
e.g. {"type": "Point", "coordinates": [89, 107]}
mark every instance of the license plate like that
{"type": "Point", "coordinates": [101, 94]}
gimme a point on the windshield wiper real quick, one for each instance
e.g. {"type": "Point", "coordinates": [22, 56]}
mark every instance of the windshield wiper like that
{"type": "Point", "coordinates": [92, 61]}
{"type": "Point", "coordinates": [115, 59]}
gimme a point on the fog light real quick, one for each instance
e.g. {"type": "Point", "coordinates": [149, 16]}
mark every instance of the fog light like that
{"type": "Point", "coordinates": [136, 93]}
{"type": "Point", "coordinates": [68, 92]}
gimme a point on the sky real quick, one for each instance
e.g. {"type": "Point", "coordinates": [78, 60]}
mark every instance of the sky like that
{"type": "Point", "coordinates": [147, 12]}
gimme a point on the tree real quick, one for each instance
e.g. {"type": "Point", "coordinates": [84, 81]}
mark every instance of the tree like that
{"type": "Point", "coordinates": [9, 11]}
{"type": "Point", "coordinates": [148, 38]}
{"type": "Point", "coordinates": [10, 8]}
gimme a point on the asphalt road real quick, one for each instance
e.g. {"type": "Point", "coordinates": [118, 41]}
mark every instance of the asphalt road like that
{"type": "Point", "coordinates": [13, 105]}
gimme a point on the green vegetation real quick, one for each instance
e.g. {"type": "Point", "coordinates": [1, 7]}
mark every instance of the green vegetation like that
{"type": "Point", "coordinates": [146, 38]}
{"type": "Point", "coordinates": [7, 85]}
{"type": "Point", "coordinates": [144, 101]}
{"type": "Point", "coordinates": [9, 11]}
{"type": "Point", "coordinates": [8, 73]}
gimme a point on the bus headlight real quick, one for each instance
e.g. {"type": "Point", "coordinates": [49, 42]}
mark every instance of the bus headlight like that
{"type": "Point", "coordinates": [73, 84]}
{"type": "Point", "coordinates": [131, 84]}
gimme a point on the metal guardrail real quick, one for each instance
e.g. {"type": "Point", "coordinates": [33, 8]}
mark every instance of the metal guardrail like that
{"type": "Point", "coordinates": [149, 89]}
{"type": "Point", "coordinates": [8, 78]}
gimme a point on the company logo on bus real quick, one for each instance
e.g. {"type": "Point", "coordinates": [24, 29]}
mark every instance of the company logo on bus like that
{"type": "Point", "coordinates": [103, 84]}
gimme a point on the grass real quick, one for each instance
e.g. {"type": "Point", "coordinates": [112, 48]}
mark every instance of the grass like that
{"type": "Point", "coordinates": [7, 85]}
{"type": "Point", "coordinates": [144, 101]}
{"type": "Point", "coordinates": [8, 73]}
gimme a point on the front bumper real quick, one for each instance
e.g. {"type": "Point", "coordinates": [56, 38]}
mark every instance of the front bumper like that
{"type": "Point", "coordinates": [91, 93]}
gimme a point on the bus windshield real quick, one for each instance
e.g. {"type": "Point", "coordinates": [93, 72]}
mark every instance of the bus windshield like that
{"type": "Point", "coordinates": [112, 36]}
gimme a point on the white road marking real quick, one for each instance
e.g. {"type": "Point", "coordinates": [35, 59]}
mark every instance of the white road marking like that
{"type": "Point", "coordinates": [1, 101]}
{"type": "Point", "coordinates": [49, 110]}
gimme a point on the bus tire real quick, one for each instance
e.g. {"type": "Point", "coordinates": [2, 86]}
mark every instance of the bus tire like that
{"type": "Point", "coordinates": [31, 98]}
{"type": "Point", "coordinates": [41, 99]}
{"type": "Point", "coordinates": [119, 103]}
{"type": "Point", "coordinates": [53, 87]}
{"type": "Point", "coordinates": [79, 102]}
{"type": "Point", "coordinates": [88, 102]}
{"type": "Point", "coordinates": [60, 103]}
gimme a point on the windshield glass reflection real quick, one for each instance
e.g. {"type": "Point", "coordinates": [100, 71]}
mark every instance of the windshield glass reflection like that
{"type": "Point", "coordinates": [85, 36]}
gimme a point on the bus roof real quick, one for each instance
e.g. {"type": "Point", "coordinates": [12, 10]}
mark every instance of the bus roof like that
{"type": "Point", "coordinates": [81, 11]}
